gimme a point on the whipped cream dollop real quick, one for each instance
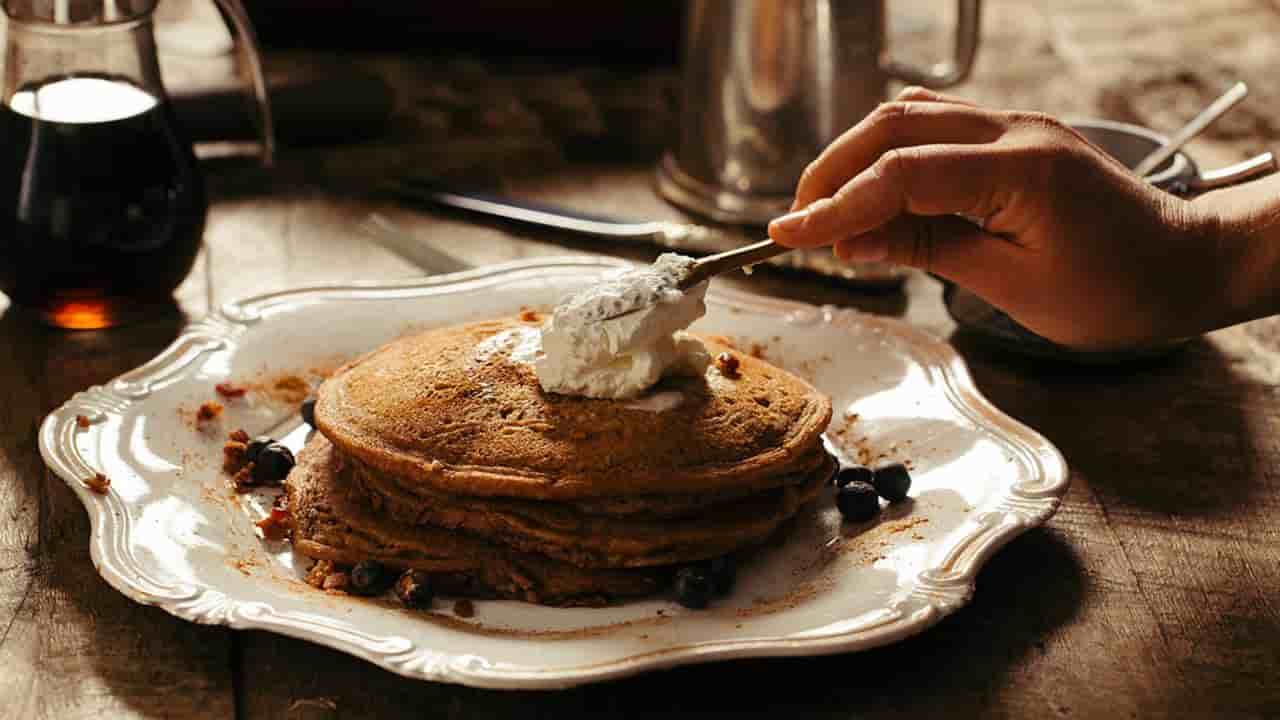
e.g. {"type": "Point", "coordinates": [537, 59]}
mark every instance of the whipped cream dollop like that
{"type": "Point", "coordinates": [583, 353]}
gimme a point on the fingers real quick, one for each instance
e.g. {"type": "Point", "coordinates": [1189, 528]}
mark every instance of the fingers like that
{"type": "Point", "coordinates": [893, 125]}
{"type": "Point", "coordinates": [918, 94]}
{"type": "Point", "coordinates": [920, 180]}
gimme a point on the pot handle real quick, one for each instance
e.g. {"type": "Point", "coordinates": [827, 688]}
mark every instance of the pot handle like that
{"type": "Point", "coordinates": [1254, 167]}
{"type": "Point", "coordinates": [946, 74]}
{"type": "Point", "coordinates": [257, 79]}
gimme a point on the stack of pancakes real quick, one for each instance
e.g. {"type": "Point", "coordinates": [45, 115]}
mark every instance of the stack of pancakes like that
{"type": "Point", "coordinates": [440, 452]}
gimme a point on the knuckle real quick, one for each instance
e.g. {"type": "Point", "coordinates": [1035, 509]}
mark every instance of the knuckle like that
{"type": "Point", "coordinates": [1035, 120]}
{"type": "Point", "coordinates": [1038, 128]}
{"type": "Point", "coordinates": [915, 92]}
{"type": "Point", "coordinates": [888, 116]}
{"type": "Point", "coordinates": [808, 177]}
{"type": "Point", "coordinates": [891, 166]}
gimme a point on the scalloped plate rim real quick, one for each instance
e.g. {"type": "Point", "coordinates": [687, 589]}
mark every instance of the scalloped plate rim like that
{"type": "Point", "coordinates": [971, 551]}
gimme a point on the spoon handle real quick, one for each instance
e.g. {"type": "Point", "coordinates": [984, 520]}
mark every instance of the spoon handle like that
{"type": "Point", "coordinates": [1216, 109]}
{"type": "Point", "coordinates": [711, 265]}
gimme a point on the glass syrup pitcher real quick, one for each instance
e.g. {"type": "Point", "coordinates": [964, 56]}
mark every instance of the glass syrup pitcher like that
{"type": "Point", "coordinates": [102, 206]}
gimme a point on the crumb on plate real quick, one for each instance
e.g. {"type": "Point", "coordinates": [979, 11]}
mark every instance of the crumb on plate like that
{"type": "Point", "coordinates": [99, 483]}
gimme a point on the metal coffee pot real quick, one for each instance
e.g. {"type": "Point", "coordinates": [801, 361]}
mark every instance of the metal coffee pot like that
{"type": "Point", "coordinates": [767, 84]}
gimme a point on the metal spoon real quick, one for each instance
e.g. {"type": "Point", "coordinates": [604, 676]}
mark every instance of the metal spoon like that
{"type": "Point", "coordinates": [705, 268]}
{"type": "Point", "coordinates": [1216, 109]}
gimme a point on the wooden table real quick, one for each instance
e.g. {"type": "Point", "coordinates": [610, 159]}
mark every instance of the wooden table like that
{"type": "Point", "coordinates": [1153, 592]}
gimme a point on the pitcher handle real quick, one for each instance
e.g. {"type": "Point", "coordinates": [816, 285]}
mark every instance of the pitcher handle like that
{"type": "Point", "coordinates": [257, 79]}
{"type": "Point", "coordinates": [945, 74]}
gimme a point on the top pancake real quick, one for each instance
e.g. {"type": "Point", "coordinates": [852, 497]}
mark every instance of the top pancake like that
{"type": "Point", "coordinates": [451, 409]}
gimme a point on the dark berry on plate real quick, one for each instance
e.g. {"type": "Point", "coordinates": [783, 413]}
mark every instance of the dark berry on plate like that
{"type": "Point", "coordinates": [723, 570]}
{"type": "Point", "coordinates": [368, 578]}
{"type": "Point", "coordinates": [892, 482]}
{"type": "Point", "coordinates": [854, 473]}
{"type": "Point", "coordinates": [255, 446]}
{"type": "Point", "coordinates": [413, 588]}
{"type": "Point", "coordinates": [857, 502]}
{"type": "Point", "coordinates": [272, 464]}
{"type": "Point", "coordinates": [694, 587]}
{"type": "Point", "coordinates": [308, 410]}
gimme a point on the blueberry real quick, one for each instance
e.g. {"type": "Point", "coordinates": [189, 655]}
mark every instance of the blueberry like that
{"type": "Point", "coordinates": [694, 587]}
{"type": "Point", "coordinates": [857, 502]}
{"type": "Point", "coordinates": [272, 464]}
{"type": "Point", "coordinates": [308, 410]}
{"type": "Point", "coordinates": [723, 570]}
{"type": "Point", "coordinates": [413, 588]}
{"type": "Point", "coordinates": [255, 446]}
{"type": "Point", "coordinates": [368, 577]}
{"type": "Point", "coordinates": [855, 473]}
{"type": "Point", "coordinates": [892, 482]}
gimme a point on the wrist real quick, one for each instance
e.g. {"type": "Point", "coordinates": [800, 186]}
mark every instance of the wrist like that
{"type": "Point", "coordinates": [1242, 225]}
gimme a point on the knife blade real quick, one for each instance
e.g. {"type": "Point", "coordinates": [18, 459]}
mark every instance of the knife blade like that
{"type": "Point", "coordinates": [688, 238]}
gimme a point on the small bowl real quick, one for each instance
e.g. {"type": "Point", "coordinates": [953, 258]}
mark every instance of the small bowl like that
{"type": "Point", "coordinates": [1131, 143]}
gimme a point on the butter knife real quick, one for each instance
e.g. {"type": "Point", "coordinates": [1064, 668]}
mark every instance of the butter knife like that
{"type": "Point", "coordinates": [687, 238]}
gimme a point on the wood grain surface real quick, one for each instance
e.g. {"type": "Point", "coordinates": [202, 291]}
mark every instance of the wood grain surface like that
{"type": "Point", "coordinates": [1155, 591]}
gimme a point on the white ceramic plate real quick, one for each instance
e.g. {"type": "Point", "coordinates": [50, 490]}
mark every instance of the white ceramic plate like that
{"type": "Point", "coordinates": [170, 533]}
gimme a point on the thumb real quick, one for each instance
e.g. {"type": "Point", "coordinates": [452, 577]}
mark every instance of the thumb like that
{"type": "Point", "coordinates": [946, 245]}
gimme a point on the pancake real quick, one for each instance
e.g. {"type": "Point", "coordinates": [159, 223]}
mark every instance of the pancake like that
{"type": "Point", "coordinates": [451, 410]}
{"type": "Point", "coordinates": [332, 523]}
{"type": "Point", "coordinates": [650, 506]}
{"type": "Point", "coordinates": [564, 532]}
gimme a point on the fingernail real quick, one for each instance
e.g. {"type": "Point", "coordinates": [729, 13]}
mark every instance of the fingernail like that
{"type": "Point", "coordinates": [790, 222]}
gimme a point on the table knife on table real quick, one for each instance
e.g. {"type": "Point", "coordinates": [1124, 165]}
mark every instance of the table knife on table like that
{"type": "Point", "coordinates": [686, 238]}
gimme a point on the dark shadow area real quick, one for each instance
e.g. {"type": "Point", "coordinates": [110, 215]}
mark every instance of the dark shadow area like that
{"type": "Point", "coordinates": [139, 662]}
{"type": "Point", "coordinates": [66, 361]}
{"type": "Point", "coordinates": [1177, 453]}
{"type": "Point", "coordinates": [1169, 435]}
{"type": "Point", "coordinates": [637, 33]}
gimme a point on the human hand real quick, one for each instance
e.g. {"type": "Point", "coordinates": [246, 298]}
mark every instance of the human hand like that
{"type": "Point", "coordinates": [1026, 213]}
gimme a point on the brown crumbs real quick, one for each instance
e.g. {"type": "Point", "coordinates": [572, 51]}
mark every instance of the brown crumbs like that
{"type": "Point", "coordinates": [757, 351]}
{"type": "Point", "coordinates": [99, 483]}
{"type": "Point", "coordinates": [208, 411]}
{"type": "Point", "coordinates": [233, 452]}
{"type": "Point", "coordinates": [227, 390]}
{"type": "Point", "coordinates": [464, 608]}
{"type": "Point", "coordinates": [318, 572]}
{"type": "Point", "coordinates": [335, 582]}
{"type": "Point", "coordinates": [242, 480]}
{"type": "Point", "coordinates": [528, 315]}
{"type": "Point", "coordinates": [290, 388]}
{"type": "Point", "coordinates": [906, 525]}
{"type": "Point", "coordinates": [82, 422]}
{"type": "Point", "coordinates": [727, 363]}
{"type": "Point", "coordinates": [277, 525]}
{"type": "Point", "coordinates": [324, 575]}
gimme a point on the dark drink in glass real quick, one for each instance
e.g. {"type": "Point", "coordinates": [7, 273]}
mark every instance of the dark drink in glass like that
{"type": "Point", "coordinates": [102, 206]}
